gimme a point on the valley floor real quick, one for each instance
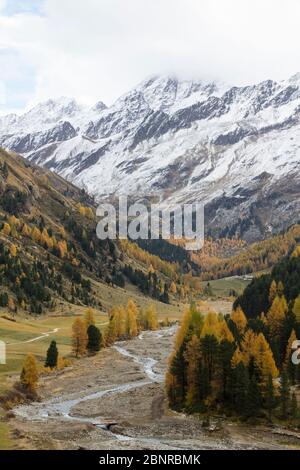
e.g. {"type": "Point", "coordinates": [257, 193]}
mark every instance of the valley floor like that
{"type": "Point", "coordinates": [115, 400]}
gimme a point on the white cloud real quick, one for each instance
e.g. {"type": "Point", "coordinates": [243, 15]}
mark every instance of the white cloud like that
{"type": "Point", "coordinates": [98, 49]}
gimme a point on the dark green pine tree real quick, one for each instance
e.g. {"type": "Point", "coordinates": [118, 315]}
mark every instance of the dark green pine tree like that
{"type": "Point", "coordinates": [52, 355]}
{"type": "Point", "coordinates": [253, 399]}
{"type": "Point", "coordinates": [209, 350]}
{"type": "Point", "coordinates": [240, 385]}
{"type": "Point", "coordinates": [294, 407]}
{"type": "Point", "coordinates": [165, 296]}
{"type": "Point", "coordinates": [204, 384]}
{"type": "Point", "coordinates": [94, 339]}
{"type": "Point", "coordinates": [298, 374]}
{"type": "Point", "coordinates": [275, 346]}
{"type": "Point", "coordinates": [226, 351]}
{"type": "Point", "coordinates": [284, 395]}
{"type": "Point", "coordinates": [178, 369]}
{"type": "Point", "coordinates": [270, 398]}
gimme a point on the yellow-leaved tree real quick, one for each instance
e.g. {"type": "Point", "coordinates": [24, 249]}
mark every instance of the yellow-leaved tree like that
{"type": "Point", "coordinates": [264, 360]}
{"type": "Point", "coordinates": [151, 318]}
{"type": "Point", "coordinates": [13, 250]}
{"type": "Point", "coordinates": [272, 291]}
{"type": "Point", "coordinates": [296, 252]}
{"type": "Point", "coordinates": [131, 319]}
{"type": "Point", "coordinates": [36, 234]}
{"type": "Point", "coordinates": [89, 317]}
{"type": "Point", "coordinates": [29, 375]}
{"type": "Point", "coordinates": [240, 320]}
{"type": "Point", "coordinates": [223, 332]}
{"type": "Point", "coordinates": [25, 230]}
{"type": "Point", "coordinates": [112, 330]}
{"type": "Point", "coordinates": [276, 316]}
{"type": "Point", "coordinates": [6, 229]}
{"type": "Point", "coordinates": [296, 308]}
{"type": "Point", "coordinates": [210, 325]}
{"type": "Point", "coordinates": [237, 358]}
{"type": "Point", "coordinates": [79, 337]}
{"type": "Point", "coordinates": [248, 345]}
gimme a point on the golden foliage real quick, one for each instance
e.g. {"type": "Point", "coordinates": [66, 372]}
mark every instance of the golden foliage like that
{"type": "Point", "coordinates": [29, 375]}
{"type": "Point", "coordinates": [79, 337]}
{"type": "Point", "coordinates": [239, 318]}
{"type": "Point", "coordinates": [89, 317]}
{"type": "Point", "coordinates": [6, 229]}
{"type": "Point", "coordinates": [276, 316]}
{"type": "Point", "coordinates": [263, 359]}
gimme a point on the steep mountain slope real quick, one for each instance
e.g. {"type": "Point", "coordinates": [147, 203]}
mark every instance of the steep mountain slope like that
{"type": "Point", "coordinates": [236, 149]}
{"type": "Point", "coordinates": [49, 250]}
{"type": "Point", "coordinates": [48, 247]}
{"type": "Point", "coordinates": [286, 275]}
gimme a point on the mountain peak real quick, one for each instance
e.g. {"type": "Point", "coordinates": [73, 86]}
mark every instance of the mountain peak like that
{"type": "Point", "coordinates": [295, 79]}
{"type": "Point", "coordinates": [187, 138]}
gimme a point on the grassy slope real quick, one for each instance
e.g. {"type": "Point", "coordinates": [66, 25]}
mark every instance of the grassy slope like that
{"type": "Point", "coordinates": [221, 287]}
{"type": "Point", "coordinates": [6, 442]}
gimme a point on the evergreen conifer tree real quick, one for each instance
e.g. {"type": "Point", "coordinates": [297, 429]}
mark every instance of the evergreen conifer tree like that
{"type": "Point", "coordinates": [270, 397]}
{"type": "Point", "coordinates": [253, 400]}
{"type": "Point", "coordinates": [284, 395]}
{"type": "Point", "coordinates": [94, 339]}
{"type": "Point", "coordinates": [52, 355]}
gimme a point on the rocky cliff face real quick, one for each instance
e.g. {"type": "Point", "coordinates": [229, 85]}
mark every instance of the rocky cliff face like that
{"type": "Point", "coordinates": [237, 149]}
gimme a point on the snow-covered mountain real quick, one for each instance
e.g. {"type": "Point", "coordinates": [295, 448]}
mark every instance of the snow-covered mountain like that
{"type": "Point", "coordinates": [237, 149]}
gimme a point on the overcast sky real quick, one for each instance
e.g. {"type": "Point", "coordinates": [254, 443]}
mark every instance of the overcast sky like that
{"type": "Point", "coordinates": [98, 49]}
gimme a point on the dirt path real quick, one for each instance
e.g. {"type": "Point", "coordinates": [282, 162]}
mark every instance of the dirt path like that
{"type": "Point", "coordinates": [115, 400]}
{"type": "Point", "coordinates": [37, 338]}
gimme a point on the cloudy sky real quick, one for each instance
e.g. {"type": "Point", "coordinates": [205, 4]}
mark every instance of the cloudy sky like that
{"type": "Point", "coordinates": [98, 49]}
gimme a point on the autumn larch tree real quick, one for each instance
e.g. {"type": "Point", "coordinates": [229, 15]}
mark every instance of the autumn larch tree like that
{"type": "Point", "coordinates": [89, 317]}
{"type": "Point", "coordinates": [276, 316]}
{"type": "Point", "coordinates": [272, 291]}
{"type": "Point", "coordinates": [79, 337]}
{"type": "Point", "coordinates": [131, 319]}
{"type": "Point", "coordinates": [151, 318]}
{"type": "Point", "coordinates": [239, 318]}
{"type": "Point", "coordinates": [29, 375]}
{"type": "Point", "coordinates": [112, 330]}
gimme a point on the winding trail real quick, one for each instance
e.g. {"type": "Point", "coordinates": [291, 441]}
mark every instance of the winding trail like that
{"type": "Point", "coordinates": [37, 338]}
{"type": "Point", "coordinates": [43, 335]}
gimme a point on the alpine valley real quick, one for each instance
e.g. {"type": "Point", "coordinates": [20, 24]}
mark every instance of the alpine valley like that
{"type": "Point", "coordinates": [236, 149]}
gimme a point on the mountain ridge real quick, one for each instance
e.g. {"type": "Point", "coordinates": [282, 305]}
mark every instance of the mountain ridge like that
{"type": "Point", "coordinates": [232, 148]}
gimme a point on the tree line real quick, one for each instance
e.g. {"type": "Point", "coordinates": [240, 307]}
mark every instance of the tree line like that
{"type": "Point", "coordinates": [125, 322]}
{"type": "Point", "coordinates": [227, 364]}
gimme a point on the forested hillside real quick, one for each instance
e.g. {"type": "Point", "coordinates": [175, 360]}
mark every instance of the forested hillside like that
{"type": "Point", "coordinates": [49, 251]}
{"type": "Point", "coordinates": [285, 277]}
{"type": "Point", "coordinates": [48, 245]}
{"type": "Point", "coordinates": [225, 257]}
{"type": "Point", "coordinates": [229, 364]}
